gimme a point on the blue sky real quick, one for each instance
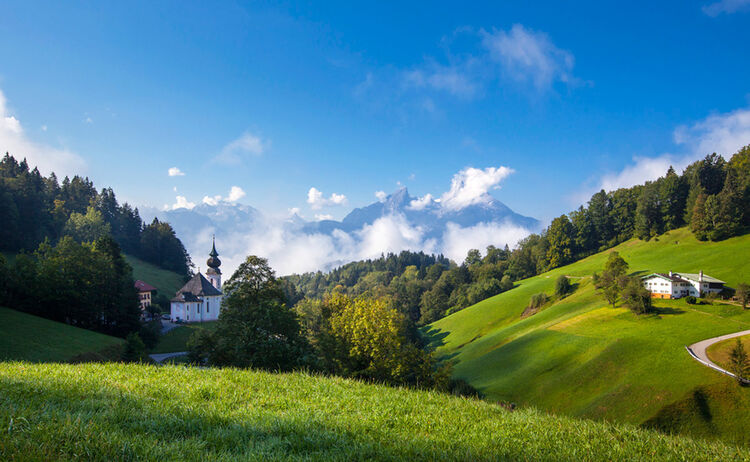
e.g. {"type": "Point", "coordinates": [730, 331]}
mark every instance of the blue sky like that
{"type": "Point", "coordinates": [349, 99]}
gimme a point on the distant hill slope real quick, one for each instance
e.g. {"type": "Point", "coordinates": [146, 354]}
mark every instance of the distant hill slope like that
{"type": "Point", "coordinates": [31, 338]}
{"type": "Point", "coordinates": [580, 357]}
{"type": "Point", "coordinates": [167, 282]}
{"type": "Point", "coordinates": [136, 412]}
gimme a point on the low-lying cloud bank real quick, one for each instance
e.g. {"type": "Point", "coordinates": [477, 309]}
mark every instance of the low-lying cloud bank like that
{"type": "Point", "coordinates": [290, 250]}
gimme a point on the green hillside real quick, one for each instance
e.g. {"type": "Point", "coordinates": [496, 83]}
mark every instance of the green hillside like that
{"type": "Point", "coordinates": [129, 412]}
{"type": "Point", "coordinates": [30, 338]}
{"type": "Point", "coordinates": [167, 282]}
{"type": "Point", "coordinates": [582, 358]}
{"type": "Point", "coordinates": [177, 338]}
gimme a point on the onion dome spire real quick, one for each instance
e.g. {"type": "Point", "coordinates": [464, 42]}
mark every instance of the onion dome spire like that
{"type": "Point", "coordinates": [213, 262]}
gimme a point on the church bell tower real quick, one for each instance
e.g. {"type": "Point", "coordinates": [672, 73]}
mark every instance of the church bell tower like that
{"type": "Point", "coordinates": [214, 273]}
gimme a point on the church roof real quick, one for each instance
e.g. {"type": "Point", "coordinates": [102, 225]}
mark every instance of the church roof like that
{"type": "Point", "coordinates": [185, 297]}
{"type": "Point", "coordinates": [198, 286]}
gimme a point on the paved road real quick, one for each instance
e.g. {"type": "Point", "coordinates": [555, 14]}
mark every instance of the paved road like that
{"type": "Point", "coordinates": [159, 357]}
{"type": "Point", "coordinates": [699, 348]}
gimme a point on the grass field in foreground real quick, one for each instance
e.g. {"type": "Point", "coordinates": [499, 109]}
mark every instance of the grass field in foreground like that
{"type": "Point", "coordinates": [167, 282]}
{"type": "Point", "coordinates": [177, 338]}
{"type": "Point", "coordinates": [580, 357]}
{"type": "Point", "coordinates": [719, 352]}
{"type": "Point", "coordinates": [31, 338]}
{"type": "Point", "coordinates": [129, 412]}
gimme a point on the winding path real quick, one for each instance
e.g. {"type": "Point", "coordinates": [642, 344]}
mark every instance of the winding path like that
{"type": "Point", "coordinates": [698, 351]}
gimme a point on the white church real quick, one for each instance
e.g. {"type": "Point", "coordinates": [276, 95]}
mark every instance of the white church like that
{"type": "Point", "coordinates": [200, 299]}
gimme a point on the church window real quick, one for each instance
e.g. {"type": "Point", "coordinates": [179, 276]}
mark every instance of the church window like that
{"type": "Point", "coordinates": [208, 307]}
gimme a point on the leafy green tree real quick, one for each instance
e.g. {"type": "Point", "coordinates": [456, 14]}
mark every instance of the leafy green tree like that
{"type": "Point", "coordinates": [711, 174]}
{"type": "Point", "coordinates": [636, 297]}
{"type": "Point", "coordinates": [599, 209]}
{"type": "Point", "coordinates": [585, 240]}
{"type": "Point", "coordinates": [160, 246]}
{"type": "Point", "coordinates": [613, 278]}
{"type": "Point", "coordinates": [742, 292]}
{"type": "Point", "coordinates": [255, 328]}
{"type": "Point", "coordinates": [372, 344]}
{"type": "Point", "coordinates": [86, 227]}
{"type": "Point", "coordinates": [560, 236]}
{"type": "Point", "coordinates": [473, 257]}
{"type": "Point", "coordinates": [673, 192]}
{"type": "Point", "coordinates": [699, 223]}
{"type": "Point", "coordinates": [648, 218]}
{"type": "Point", "coordinates": [738, 362]}
{"type": "Point", "coordinates": [562, 286]}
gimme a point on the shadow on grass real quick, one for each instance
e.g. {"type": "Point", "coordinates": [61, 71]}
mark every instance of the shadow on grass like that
{"type": "Point", "coordinates": [665, 310]}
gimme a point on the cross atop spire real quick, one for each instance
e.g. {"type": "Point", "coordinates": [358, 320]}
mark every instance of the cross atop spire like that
{"type": "Point", "coordinates": [214, 253]}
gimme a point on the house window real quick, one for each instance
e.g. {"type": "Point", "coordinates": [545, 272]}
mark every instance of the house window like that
{"type": "Point", "coordinates": [208, 307]}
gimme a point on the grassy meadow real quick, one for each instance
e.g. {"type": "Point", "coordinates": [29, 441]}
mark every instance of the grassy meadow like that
{"type": "Point", "coordinates": [131, 412]}
{"type": "Point", "coordinates": [583, 358]}
{"type": "Point", "coordinates": [167, 282]}
{"type": "Point", "coordinates": [31, 338]}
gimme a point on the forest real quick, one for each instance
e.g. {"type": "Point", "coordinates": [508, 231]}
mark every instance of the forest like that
{"type": "Point", "coordinates": [34, 208]}
{"type": "Point", "coordinates": [711, 196]}
{"type": "Point", "coordinates": [66, 241]}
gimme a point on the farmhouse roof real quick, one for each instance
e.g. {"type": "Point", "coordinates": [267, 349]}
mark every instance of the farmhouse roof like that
{"type": "Point", "coordinates": [144, 286]}
{"type": "Point", "coordinates": [199, 286]}
{"type": "Point", "coordinates": [674, 277]}
{"type": "Point", "coordinates": [696, 277]}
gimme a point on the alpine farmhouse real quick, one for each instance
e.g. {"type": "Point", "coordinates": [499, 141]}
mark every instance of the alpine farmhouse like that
{"type": "Point", "coordinates": [678, 285]}
{"type": "Point", "coordinates": [199, 300]}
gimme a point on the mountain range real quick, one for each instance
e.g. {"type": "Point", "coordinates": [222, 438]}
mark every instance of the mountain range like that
{"type": "Point", "coordinates": [398, 222]}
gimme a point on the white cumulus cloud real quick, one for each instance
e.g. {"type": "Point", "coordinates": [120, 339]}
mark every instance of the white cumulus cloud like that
{"type": "Point", "coordinates": [182, 203]}
{"type": "Point", "coordinates": [235, 193]}
{"type": "Point", "coordinates": [470, 186]}
{"type": "Point", "coordinates": [381, 195]}
{"type": "Point", "coordinates": [323, 216]}
{"type": "Point", "coordinates": [211, 200]}
{"type": "Point", "coordinates": [48, 159]}
{"type": "Point", "coordinates": [317, 200]}
{"type": "Point", "coordinates": [174, 171]}
{"type": "Point", "coordinates": [421, 203]}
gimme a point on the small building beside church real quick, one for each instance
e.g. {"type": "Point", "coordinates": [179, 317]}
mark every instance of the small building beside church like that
{"type": "Point", "coordinates": [145, 293]}
{"type": "Point", "coordinates": [200, 298]}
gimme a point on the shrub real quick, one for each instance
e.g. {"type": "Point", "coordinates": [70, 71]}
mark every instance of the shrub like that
{"type": "Point", "coordinates": [150, 333]}
{"type": "Point", "coordinates": [135, 349]}
{"type": "Point", "coordinates": [538, 300]}
{"type": "Point", "coordinates": [690, 300]}
{"type": "Point", "coordinates": [637, 297]}
{"type": "Point", "coordinates": [562, 286]}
